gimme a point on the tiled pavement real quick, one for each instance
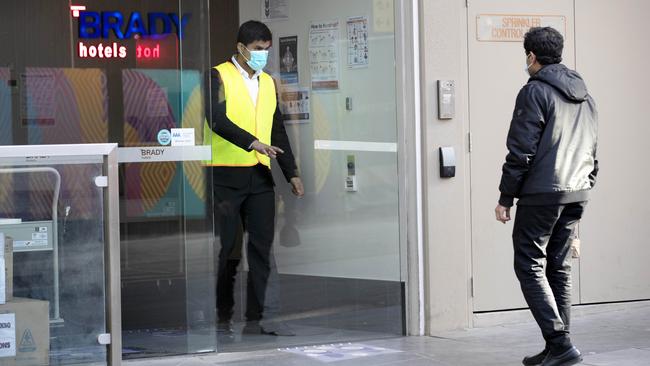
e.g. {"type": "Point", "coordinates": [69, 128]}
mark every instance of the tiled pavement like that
{"type": "Point", "coordinates": [607, 336]}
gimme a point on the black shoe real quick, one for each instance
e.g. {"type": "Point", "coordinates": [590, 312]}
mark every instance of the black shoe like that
{"type": "Point", "coordinates": [276, 328]}
{"type": "Point", "coordinates": [224, 327]}
{"type": "Point", "coordinates": [252, 327]}
{"type": "Point", "coordinates": [536, 359]}
{"type": "Point", "coordinates": [268, 328]}
{"type": "Point", "coordinates": [567, 358]}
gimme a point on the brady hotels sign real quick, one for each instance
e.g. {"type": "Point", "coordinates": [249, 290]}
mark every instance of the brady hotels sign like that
{"type": "Point", "coordinates": [115, 25]}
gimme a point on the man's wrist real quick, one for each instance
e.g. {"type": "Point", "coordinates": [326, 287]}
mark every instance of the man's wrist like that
{"type": "Point", "coordinates": [506, 200]}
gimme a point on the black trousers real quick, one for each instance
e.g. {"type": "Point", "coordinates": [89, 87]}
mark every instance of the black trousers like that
{"type": "Point", "coordinates": [542, 246]}
{"type": "Point", "coordinates": [249, 208]}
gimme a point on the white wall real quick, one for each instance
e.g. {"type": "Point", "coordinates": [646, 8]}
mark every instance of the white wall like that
{"type": "Point", "coordinates": [612, 54]}
{"type": "Point", "coordinates": [447, 259]}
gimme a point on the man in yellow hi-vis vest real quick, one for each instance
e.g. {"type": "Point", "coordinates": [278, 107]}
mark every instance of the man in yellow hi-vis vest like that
{"type": "Point", "coordinates": [247, 131]}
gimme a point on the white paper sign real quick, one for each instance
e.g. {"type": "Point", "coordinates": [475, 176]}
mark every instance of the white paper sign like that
{"type": "Point", "coordinates": [39, 236]}
{"type": "Point", "coordinates": [324, 55]}
{"type": "Point", "coordinates": [183, 137]}
{"type": "Point", "coordinates": [3, 279]}
{"type": "Point", "coordinates": [383, 16]}
{"type": "Point", "coordinates": [7, 335]}
{"type": "Point", "coordinates": [275, 10]}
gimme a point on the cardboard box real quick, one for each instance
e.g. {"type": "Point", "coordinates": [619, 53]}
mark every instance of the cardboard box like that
{"type": "Point", "coordinates": [6, 268]}
{"type": "Point", "coordinates": [32, 339]}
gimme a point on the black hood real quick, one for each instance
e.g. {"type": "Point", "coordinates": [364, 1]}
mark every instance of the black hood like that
{"type": "Point", "coordinates": [567, 81]}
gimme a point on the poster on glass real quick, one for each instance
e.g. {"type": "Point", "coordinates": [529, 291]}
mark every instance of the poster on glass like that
{"type": "Point", "coordinates": [358, 55]}
{"type": "Point", "coordinates": [324, 55]}
{"type": "Point", "coordinates": [294, 105]}
{"type": "Point", "coordinates": [289, 60]}
{"type": "Point", "coordinates": [275, 10]}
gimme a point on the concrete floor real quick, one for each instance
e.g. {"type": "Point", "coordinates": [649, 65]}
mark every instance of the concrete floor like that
{"type": "Point", "coordinates": [607, 336]}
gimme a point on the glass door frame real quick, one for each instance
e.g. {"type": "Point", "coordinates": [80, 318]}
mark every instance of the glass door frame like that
{"type": "Point", "coordinates": [409, 150]}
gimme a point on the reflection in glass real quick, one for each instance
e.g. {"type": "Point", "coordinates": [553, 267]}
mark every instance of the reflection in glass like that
{"type": "Point", "coordinates": [5, 107]}
{"type": "Point", "coordinates": [167, 268]}
{"type": "Point", "coordinates": [62, 105]}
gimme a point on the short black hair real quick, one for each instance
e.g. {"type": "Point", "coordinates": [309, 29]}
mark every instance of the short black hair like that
{"type": "Point", "coordinates": [252, 31]}
{"type": "Point", "coordinates": [546, 43]}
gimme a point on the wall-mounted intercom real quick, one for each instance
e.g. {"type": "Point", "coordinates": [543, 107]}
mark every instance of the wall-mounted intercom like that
{"type": "Point", "coordinates": [446, 99]}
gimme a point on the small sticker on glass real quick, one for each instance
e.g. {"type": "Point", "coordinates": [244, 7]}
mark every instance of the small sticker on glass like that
{"type": "Point", "coordinates": [39, 236]}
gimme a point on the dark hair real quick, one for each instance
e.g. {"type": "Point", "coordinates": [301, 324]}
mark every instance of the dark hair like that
{"type": "Point", "coordinates": [546, 43]}
{"type": "Point", "coordinates": [252, 31]}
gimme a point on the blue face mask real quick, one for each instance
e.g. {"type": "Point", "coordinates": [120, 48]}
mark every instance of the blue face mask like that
{"type": "Point", "coordinates": [258, 59]}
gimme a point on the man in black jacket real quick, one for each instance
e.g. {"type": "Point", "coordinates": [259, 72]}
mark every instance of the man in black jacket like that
{"type": "Point", "coordinates": [550, 168]}
{"type": "Point", "coordinates": [248, 132]}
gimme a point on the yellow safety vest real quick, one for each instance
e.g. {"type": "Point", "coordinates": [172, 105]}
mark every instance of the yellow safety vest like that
{"type": "Point", "coordinates": [256, 120]}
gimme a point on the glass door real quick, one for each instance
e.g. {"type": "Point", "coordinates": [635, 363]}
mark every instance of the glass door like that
{"type": "Point", "coordinates": [168, 270]}
{"type": "Point", "coordinates": [59, 259]}
{"type": "Point", "coordinates": [128, 72]}
{"type": "Point", "coordinates": [336, 262]}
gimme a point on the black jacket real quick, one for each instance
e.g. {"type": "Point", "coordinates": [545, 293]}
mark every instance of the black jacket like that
{"type": "Point", "coordinates": [236, 177]}
{"type": "Point", "coordinates": [551, 142]}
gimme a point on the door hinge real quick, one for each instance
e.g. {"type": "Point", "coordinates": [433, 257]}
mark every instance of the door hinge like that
{"type": "Point", "coordinates": [469, 141]}
{"type": "Point", "coordinates": [467, 3]}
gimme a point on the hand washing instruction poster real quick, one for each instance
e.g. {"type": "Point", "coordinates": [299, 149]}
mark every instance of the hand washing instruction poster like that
{"type": "Point", "coordinates": [358, 55]}
{"type": "Point", "coordinates": [324, 55]}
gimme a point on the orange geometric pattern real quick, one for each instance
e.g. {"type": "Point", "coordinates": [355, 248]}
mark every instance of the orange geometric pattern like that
{"type": "Point", "coordinates": [193, 117]}
{"type": "Point", "coordinates": [89, 86]}
{"type": "Point", "coordinates": [155, 178]}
